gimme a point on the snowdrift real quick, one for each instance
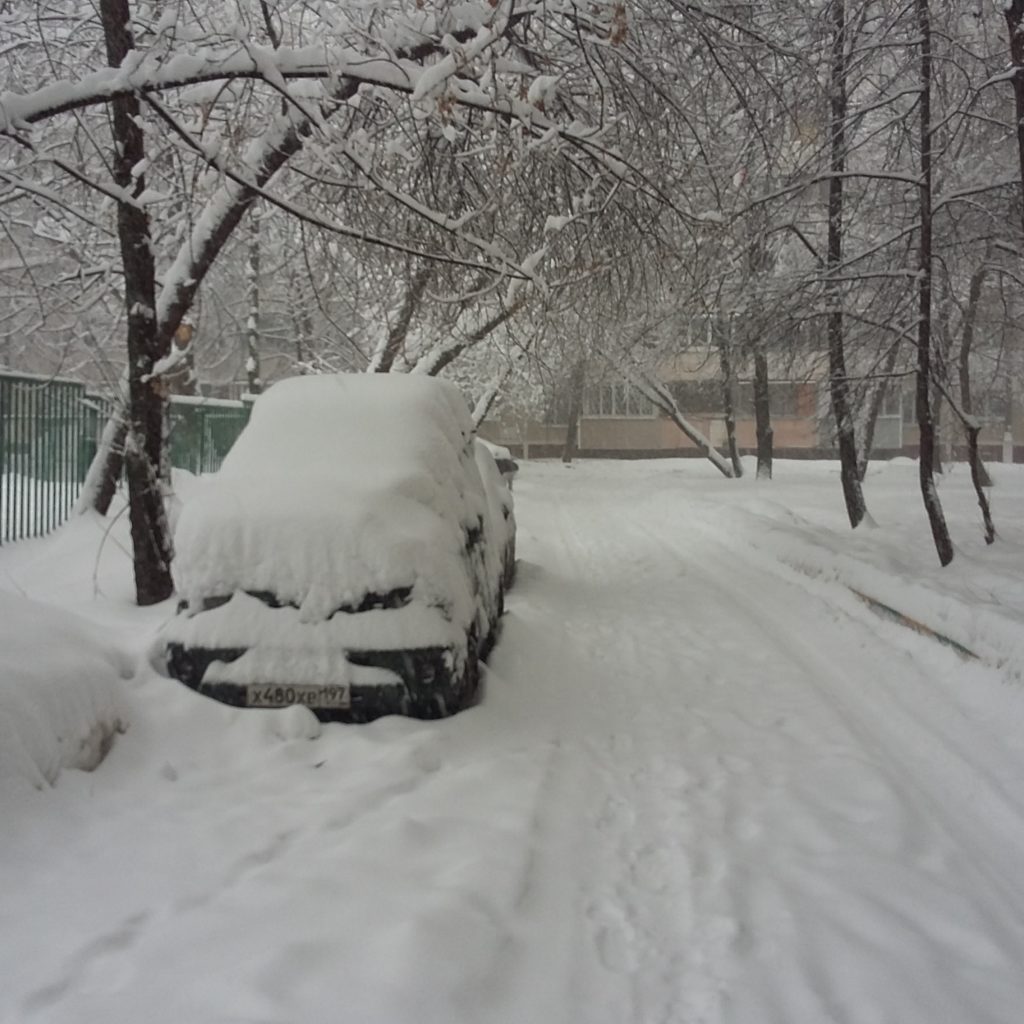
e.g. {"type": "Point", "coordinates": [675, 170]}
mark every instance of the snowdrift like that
{"type": "Point", "coordinates": [62, 701]}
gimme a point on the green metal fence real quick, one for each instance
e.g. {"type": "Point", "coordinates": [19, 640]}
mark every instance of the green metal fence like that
{"type": "Point", "coordinates": [49, 430]}
{"type": "Point", "coordinates": [201, 431]}
{"type": "Point", "coordinates": [45, 444]}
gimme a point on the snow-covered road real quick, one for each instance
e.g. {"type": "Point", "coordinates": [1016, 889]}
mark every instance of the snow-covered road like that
{"type": "Point", "coordinates": [788, 817]}
{"type": "Point", "coordinates": [706, 784]}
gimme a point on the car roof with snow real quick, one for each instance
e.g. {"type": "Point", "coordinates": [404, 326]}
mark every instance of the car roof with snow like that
{"type": "Point", "coordinates": [363, 426]}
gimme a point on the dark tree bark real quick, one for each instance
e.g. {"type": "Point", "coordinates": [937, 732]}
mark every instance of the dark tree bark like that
{"type": "Point", "coordinates": [572, 430]}
{"type": "Point", "coordinates": [925, 417]}
{"type": "Point", "coordinates": [151, 541]}
{"type": "Point", "coordinates": [302, 323]}
{"type": "Point", "coordinates": [201, 252]}
{"type": "Point", "coordinates": [1014, 12]}
{"type": "Point", "coordinates": [763, 417]}
{"type": "Point", "coordinates": [839, 385]}
{"type": "Point", "coordinates": [435, 362]}
{"type": "Point", "coordinates": [981, 480]}
{"type": "Point", "coordinates": [935, 406]}
{"type": "Point", "coordinates": [415, 288]}
{"type": "Point", "coordinates": [729, 397]}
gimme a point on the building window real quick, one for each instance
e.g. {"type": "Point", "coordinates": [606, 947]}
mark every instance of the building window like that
{"type": "Point", "coordinates": [892, 402]}
{"type": "Point", "coordinates": [910, 409]}
{"type": "Point", "coordinates": [697, 397]}
{"type": "Point", "coordinates": [783, 399]}
{"type": "Point", "coordinates": [618, 401]}
{"type": "Point", "coordinates": [993, 407]}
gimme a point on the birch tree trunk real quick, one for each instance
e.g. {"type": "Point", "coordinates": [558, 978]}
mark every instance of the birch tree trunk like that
{"type": "Point", "coordinates": [662, 399]}
{"type": "Point", "coordinates": [104, 471]}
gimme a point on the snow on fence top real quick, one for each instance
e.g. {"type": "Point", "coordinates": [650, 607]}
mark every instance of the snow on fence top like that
{"type": "Point", "coordinates": [340, 486]}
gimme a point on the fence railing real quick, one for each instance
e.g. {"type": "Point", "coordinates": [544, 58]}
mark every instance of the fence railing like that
{"type": "Point", "coordinates": [201, 431]}
{"type": "Point", "coordinates": [49, 430]}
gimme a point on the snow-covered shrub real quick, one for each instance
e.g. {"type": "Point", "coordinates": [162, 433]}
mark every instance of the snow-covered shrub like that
{"type": "Point", "coordinates": [62, 701]}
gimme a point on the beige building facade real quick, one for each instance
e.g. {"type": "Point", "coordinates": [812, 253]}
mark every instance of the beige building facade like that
{"type": "Point", "coordinates": [616, 422]}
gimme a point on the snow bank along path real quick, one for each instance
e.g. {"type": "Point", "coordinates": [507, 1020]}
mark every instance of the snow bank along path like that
{"type": "Point", "coordinates": [61, 699]}
{"type": "Point", "coordinates": [703, 786]}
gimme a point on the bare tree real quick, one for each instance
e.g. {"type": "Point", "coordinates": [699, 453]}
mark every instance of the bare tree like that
{"type": "Point", "coordinates": [150, 534]}
{"type": "Point", "coordinates": [839, 385]}
{"type": "Point", "coordinates": [925, 421]}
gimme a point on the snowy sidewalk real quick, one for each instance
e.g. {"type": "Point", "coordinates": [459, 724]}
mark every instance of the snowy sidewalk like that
{"type": "Point", "coordinates": [706, 784]}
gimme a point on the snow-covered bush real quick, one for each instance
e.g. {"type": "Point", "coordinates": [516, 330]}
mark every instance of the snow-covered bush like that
{"type": "Point", "coordinates": [62, 701]}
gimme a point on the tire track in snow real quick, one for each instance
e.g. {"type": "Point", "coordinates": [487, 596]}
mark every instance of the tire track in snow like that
{"type": "Point", "coordinates": [961, 820]}
{"type": "Point", "coordinates": [799, 791]}
{"type": "Point", "coordinates": [658, 945]}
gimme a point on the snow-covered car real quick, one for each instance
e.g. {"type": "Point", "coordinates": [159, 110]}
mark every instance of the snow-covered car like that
{"type": "Point", "coordinates": [350, 555]}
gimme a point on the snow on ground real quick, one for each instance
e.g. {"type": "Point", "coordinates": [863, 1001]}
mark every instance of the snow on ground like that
{"type": "Point", "coordinates": [32, 506]}
{"type": "Point", "coordinates": [707, 783]}
{"type": "Point", "coordinates": [61, 702]}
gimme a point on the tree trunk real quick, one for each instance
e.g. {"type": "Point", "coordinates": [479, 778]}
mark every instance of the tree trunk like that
{"type": "Point", "coordinates": [415, 288]}
{"type": "Point", "coordinates": [254, 382]}
{"type": "Point", "coordinates": [979, 475]}
{"type": "Point", "coordinates": [302, 325]}
{"type": "Point", "coordinates": [1014, 12]}
{"type": "Point", "coordinates": [942, 347]}
{"type": "Point", "coordinates": [874, 411]}
{"type": "Point", "coordinates": [980, 481]}
{"type": "Point", "coordinates": [964, 367]}
{"type": "Point", "coordinates": [662, 399]}
{"type": "Point", "coordinates": [151, 542]}
{"type": "Point", "coordinates": [925, 420]}
{"type": "Point", "coordinates": [763, 417]}
{"type": "Point", "coordinates": [485, 403]}
{"type": "Point", "coordinates": [104, 471]}
{"type": "Point", "coordinates": [839, 385]}
{"type": "Point", "coordinates": [935, 405]}
{"type": "Point", "coordinates": [572, 430]}
{"type": "Point", "coordinates": [445, 354]}
{"type": "Point", "coordinates": [729, 398]}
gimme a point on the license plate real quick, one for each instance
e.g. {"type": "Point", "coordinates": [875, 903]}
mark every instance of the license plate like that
{"type": "Point", "coordinates": [332, 696]}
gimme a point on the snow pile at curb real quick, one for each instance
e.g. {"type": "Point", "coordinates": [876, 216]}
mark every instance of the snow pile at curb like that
{"type": "Point", "coordinates": [61, 698]}
{"type": "Point", "coordinates": [977, 602]}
